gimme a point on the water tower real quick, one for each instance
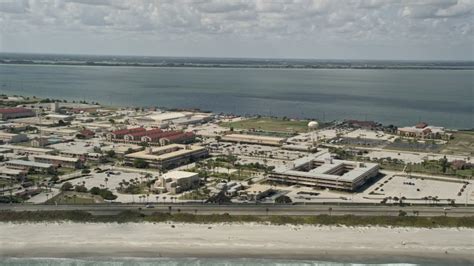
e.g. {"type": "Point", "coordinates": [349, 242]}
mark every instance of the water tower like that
{"type": "Point", "coordinates": [312, 126]}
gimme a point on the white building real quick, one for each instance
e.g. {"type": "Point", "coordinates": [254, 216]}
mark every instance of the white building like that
{"type": "Point", "coordinates": [325, 173]}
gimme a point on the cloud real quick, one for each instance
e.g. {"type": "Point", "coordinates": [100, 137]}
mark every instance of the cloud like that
{"type": "Point", "coordinates": [438, 9]}
{"type": "Point", "coordinates": [327, 23]}
{"type": "Point", "coordinates": [14, 6]}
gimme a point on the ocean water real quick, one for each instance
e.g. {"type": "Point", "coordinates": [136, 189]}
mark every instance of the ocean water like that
{"type": "Point", "coordinates": [187, 262]}
{"type": "Point", "coordinates": [401, 97]}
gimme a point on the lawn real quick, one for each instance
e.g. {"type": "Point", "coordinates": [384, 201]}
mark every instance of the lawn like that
{"type": "Point", "coordinates": [197, 194]}
{"type": "Point", "coordinates": [462, 143]}
{"type": "Point", "coordinates": [270, 124]}
{"type": "Point", "coordinates": [71, 197]}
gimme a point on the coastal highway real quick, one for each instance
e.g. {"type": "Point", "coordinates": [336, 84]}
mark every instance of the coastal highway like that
{"type": "Point", "coordinates": [252, 209]}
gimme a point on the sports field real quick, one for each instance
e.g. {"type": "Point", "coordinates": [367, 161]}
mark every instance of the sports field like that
{"type": "Point", "coordinates": [462, 143]}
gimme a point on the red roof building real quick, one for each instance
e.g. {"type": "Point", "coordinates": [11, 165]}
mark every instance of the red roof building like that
{"type": "Point", "coordinates": [15, 112]}
{"type": "Point", "coordinates": [421, 125]}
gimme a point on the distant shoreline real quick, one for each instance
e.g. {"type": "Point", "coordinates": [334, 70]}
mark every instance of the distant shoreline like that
{"type": "Point", "coordinates": [239, 66]}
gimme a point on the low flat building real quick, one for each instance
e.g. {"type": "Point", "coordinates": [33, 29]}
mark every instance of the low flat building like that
{"type": "Point", "coordinates": [169, 156]}
{"type": "Point", "coordinates": [59, 161]}
{"type": "Point", "coordinates": [60, 131]}
{"type": "Point", "coordinates": [12, 173]}
{"type": "Point", "coordinates": [255, 192]}
{"type": "Point", "coordinates": [325, 173]}
{"type": "Point", "coordinates": [254, 139]}
{"type": "Point", "coordinates": [16, 112]}
{"type": "Point", "coordinates": [26, 150]}
{"type": "Point", "coordinates": [27, 165]}
{"type": "Point", "coordinates": [39, 142]}
{"type": "Point", "coordinates": [12, 137]}
{"type": "Point", "coordinates": [58, 117]}
{"type": "Point", "coordinates": [162, 118]}
{"type": "Point", "coordinates": [176, 182]}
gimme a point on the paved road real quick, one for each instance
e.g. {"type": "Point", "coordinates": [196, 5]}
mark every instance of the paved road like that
{"type": "Point", "coordinates": [252, 209]}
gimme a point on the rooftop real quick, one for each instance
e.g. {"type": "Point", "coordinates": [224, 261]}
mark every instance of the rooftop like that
{"type": "Point", "coordinates": [57, 158]}
{"type": "Point", "coordinates": [30, 163]}
{"type": "Point", "coordinates": [327, 168]}
{"type": "Point", "coordinates": [14, 110]}
{"type": "Point", "coordinates": [165, 152]}
{"type": "Point", "coordinates": [253, 138]}
{"type": "Point", "coordinates": [175, 175]}
{"type": "Point", "coordinates": [25, 149]}
{"type": "Point", "coordinates": [165, 116]}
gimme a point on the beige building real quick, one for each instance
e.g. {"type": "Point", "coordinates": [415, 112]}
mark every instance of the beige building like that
{"type": "Point", "coordinates": [169, 156]}
{"type": "Point", "coordinates": [8, 173]}
{"type": "Point", "coordinates": [176, 182]}
{"type": "Point", "coordinates": [59, 161]}
{"type": "Point", "coordinates": [26, 150]}
{"type": "Point", "coordinates": [255, 192]}
{"type": "Point", "coordinates": [12, 138]}
{"type": "Point", "coordinates": [254, 139]}
{"type": "Point", "coordinates": [27, 165]}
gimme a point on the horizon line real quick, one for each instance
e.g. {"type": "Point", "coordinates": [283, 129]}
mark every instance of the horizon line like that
{"type": "Point", "coordinates": [231, 57]}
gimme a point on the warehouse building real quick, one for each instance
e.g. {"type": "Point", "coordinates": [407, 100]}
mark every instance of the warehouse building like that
{"type": "Point", "coordinates": [325, 173]}
{"type": "Point", "coordinates": [169, 156]}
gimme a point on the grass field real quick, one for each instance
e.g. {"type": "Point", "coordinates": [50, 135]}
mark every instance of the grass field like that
{"type": "Point", "coordinates": [462, 143]}
{"type": "Point", "coordinates": [132, 216]}
{"type": "Point", "coordinates": [270, 124]}
{"type": "Point", "coordinates": [75, 198]}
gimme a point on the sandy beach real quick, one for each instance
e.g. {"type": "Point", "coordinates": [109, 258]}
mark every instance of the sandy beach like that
{"type": "Point", "coordinates": [330, 243]}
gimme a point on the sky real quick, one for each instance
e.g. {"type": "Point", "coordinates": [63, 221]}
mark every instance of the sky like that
{"type": "Point", "coordinates": [313, 29]}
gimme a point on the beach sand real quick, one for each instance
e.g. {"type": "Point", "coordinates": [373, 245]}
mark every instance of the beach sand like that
{"type": "Point", "coordinates": [323, 243]}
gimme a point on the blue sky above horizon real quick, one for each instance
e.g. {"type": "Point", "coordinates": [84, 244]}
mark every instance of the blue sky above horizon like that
{"type": "Point", "coordinates": [318, 29]}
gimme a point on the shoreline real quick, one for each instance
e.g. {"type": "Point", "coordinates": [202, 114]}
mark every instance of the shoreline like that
{"type": "Point", "coordinates": [236, 240]}
{"type": "Point", "coordinates": [199, 109]}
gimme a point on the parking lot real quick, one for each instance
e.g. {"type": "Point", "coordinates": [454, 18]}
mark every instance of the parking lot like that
{"type": "Point", "coordinates": [415, 189]}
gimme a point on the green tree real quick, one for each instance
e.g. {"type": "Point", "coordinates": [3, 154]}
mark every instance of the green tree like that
{"type": "Point", "coordinates": [80, 189]}
{"type": "Point", "coordinates": [67, 186]}
{"type": "Point", "coordinates": [140, 163]}
{"type": "Point", "coordinates": [111, 153]}
{"type": "Point", "coordinates": [283, 199]}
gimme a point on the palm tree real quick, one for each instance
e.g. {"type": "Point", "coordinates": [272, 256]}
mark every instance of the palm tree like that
{"type": "Point", "coordinates": [106, 180]}
{"type": "Point", "coordinates": [157, 198]}
{"type": "Point", "coordinates": [330, 210]}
